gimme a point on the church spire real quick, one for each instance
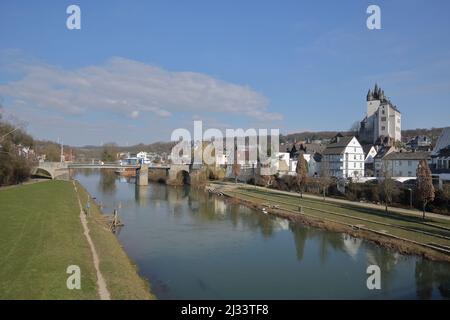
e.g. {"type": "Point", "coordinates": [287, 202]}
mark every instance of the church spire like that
{"type": "Point", "coordinates": [369, 95]}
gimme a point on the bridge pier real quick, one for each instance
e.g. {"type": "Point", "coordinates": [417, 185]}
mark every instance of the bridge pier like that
{"type": "Point", "coordinates": [142, 175]}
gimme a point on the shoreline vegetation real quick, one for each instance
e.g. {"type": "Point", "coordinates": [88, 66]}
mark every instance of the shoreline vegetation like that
{"type": "Point", "coordinates": [42, 235]}
{"type": "Point", "coordinates": [407, 234]}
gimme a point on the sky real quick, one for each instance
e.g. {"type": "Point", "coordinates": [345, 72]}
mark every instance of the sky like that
{"type": "Point", "coordinates": [137, 70]}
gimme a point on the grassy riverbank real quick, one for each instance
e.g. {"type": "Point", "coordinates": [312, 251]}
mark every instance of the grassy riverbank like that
{"type": "Point", "coordinates": [407, 233]}
{"type": "Point", "coordinates": [42, 235]}
{"type": "Point", "coordinates": [120, 274]}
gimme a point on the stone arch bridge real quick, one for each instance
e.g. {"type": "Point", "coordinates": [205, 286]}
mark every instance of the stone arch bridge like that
{"type": "Point", "coordinates": [54, 170]}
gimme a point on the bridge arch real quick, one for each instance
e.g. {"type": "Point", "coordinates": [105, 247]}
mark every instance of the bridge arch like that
{"type": "Point", "coordinates": [183, 177]}
{"type": "Point", "coordinates": [42, 173]}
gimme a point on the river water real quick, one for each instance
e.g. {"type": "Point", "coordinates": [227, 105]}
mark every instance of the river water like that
{"type": "Point", "coordinates": [192, 245]}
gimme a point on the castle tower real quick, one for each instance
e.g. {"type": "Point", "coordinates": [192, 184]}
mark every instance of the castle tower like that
{"type": "Point", "coordinates": [382, 119]}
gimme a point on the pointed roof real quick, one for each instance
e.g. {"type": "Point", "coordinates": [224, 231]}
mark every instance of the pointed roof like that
{"type": "Point", "coordinates": [442, 142]}
{"type": "Point", "coordinates": [339, 146]}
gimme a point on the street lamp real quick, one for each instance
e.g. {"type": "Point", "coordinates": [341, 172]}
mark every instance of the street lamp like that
{"type": "Point", "coordinates": [410, 197]}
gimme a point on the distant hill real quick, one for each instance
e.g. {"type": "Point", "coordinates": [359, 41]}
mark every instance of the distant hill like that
{"type": "Point", "coordinates": [94, 152]}
{"type": "Point", "coordinates": [433, 133]}
{"type": "Point", "coordinates": [301, 136]}
{"type": "Point", "coordinates": [407, 135]}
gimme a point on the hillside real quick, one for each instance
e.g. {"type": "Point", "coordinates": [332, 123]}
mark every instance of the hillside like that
{"type": "Point", "coordinates": [407, 135]}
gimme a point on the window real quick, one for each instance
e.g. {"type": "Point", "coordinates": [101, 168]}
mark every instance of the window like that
{"type": "Point", "coordinates": [383, 128]}
{"type": "Point", "coordinates": [383, 118]}
{"type": "Point", "coordinates": [409, 174]}
{"type": "Point", "coordinates": [382, 112]}
{"type": "Point", "coordinates": [354, 157]}
{"type": "Point", "coordinates": [409, 163]}
{"type": "Point", "coordinates": [399, 162]}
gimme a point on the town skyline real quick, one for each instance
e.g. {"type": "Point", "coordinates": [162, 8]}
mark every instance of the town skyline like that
{"type": "Point", "coordinates": [269, 76]}
{"type": "Point", "coordinates": [224, 154]}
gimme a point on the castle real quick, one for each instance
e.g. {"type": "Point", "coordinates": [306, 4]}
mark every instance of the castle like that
{"type": "Point", "coordinates": [382, 123]}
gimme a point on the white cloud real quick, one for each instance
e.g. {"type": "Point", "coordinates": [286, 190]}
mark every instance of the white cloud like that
{"type": "Point", "coordinates": [132, 89]}
{"type": "Point", "coordinates": [134, 114]}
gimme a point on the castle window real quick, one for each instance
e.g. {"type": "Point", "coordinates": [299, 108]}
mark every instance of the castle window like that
{"type": "Point", "coordinates": [383, 118]}
{"type": "Point", "coordinates": [383, 128]}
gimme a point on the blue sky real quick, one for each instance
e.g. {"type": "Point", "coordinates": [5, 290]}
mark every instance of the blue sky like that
{"type": "Point", "coordinates": [139, 69]}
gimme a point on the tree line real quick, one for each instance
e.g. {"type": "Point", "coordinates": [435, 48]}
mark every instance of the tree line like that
{"type": "Point", "coordinates": [15, 156]}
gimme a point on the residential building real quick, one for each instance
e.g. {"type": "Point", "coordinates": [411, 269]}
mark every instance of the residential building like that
{"type": "Point", "coordinates": [440, 158]}
{"type": "Point", "coordinates": [370, 151]}
{"type": "Point", "coordinates": [378, 159]}
{"type": "Point", "coordinates": [383, 119]}
{"type": "Point", "coordinates": [404, 164]}
{"type": "Point", "coordinates": [307, 148]}
{"type": "Point", "coordinates": [344, 158]}
{"type": "Point", "coordinates": [313, 160]}
{"type": "Point", "coordinates": [282, 163]}
{"type": "Point", "coordinates": [421, 142]}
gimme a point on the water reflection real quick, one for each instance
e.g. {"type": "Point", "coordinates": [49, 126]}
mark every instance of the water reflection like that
{"type": "Point", "coordinates": [428, 276]}
{"type": "Point", "coordinates": [107, 181]}
{"type": "Point", "coordinates": [193, 245]}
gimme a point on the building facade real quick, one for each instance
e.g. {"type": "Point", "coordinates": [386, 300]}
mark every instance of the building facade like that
{"type": "Point", "coordinates": [344, 158]}
{"type": "Point", "coordinates": [440, 158]}
{"type": "Point", "coordinates": [379, 158]}
{"type": "Point", "coordinates": [404, 164]}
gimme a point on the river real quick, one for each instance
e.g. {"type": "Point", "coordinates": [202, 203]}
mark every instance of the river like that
{"type": "Point", "coordinates": [192, 245]}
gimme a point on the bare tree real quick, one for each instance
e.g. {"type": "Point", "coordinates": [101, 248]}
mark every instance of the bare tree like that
{"type": "Point", "coordinates": [302, 173]}
{"type": "Point", "coordinates": [325, 178]}
{"type": "Point", "coordinates": [425, 188]}
{"type": "Point", "coordinates": [387, 186]}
